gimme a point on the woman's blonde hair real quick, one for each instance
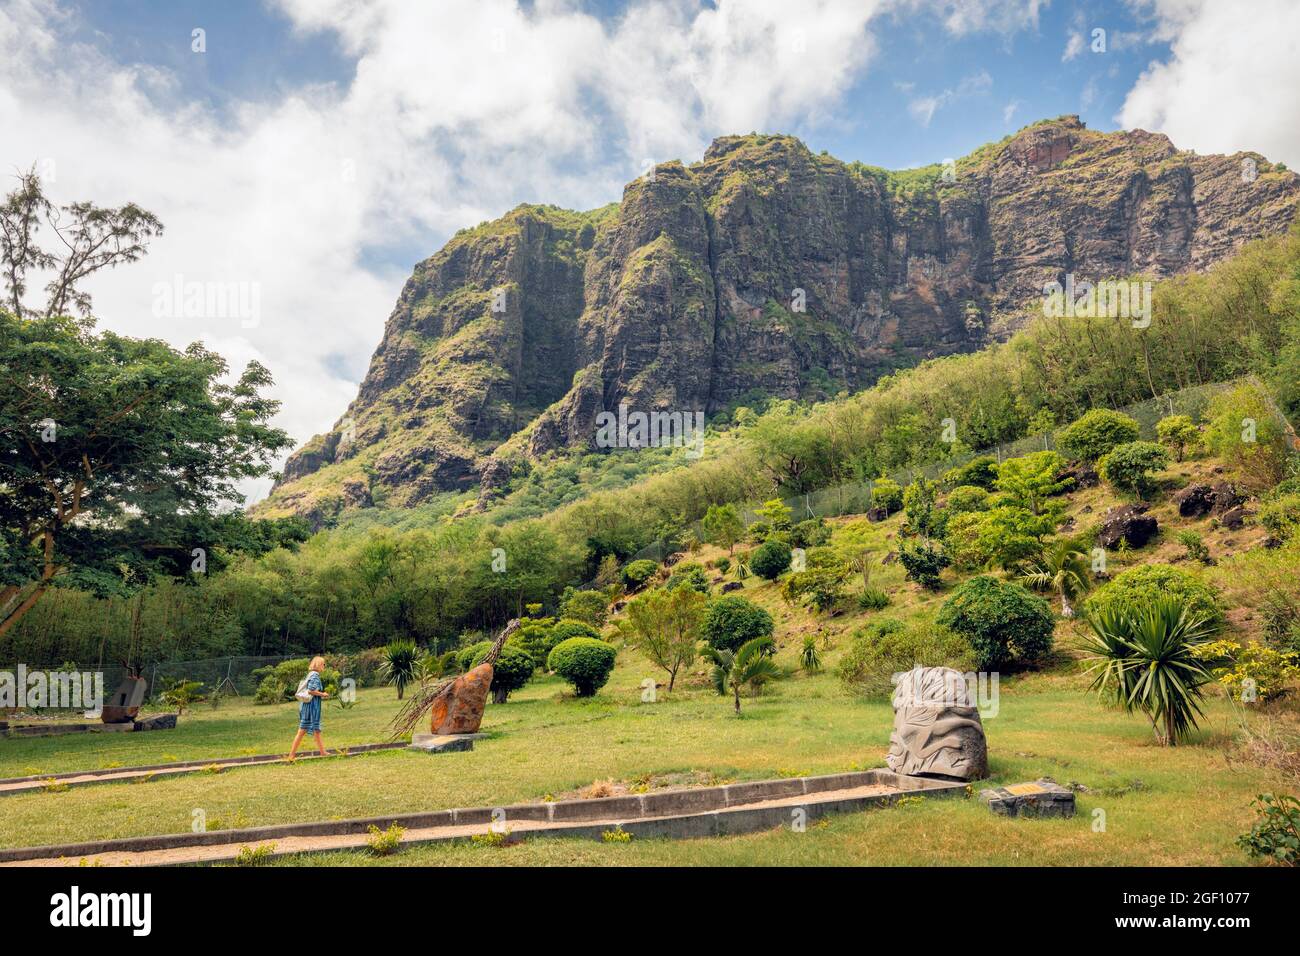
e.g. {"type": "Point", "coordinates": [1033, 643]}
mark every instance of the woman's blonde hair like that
{"type": "Point", "coordinates": [317, 664]}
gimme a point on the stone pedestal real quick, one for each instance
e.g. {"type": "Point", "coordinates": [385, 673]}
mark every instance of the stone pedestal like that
{"type": "Point", "coordinates": [1042, 798]}
{"type": "Point", "coordinates": [443, 743]}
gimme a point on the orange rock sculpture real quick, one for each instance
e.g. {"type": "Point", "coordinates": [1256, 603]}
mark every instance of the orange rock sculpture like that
{"type": "Point", "coordinates": [459, 708]}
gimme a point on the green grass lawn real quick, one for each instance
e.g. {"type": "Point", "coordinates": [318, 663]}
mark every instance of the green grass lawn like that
{"type": "Point", "coordinates": [1176, 806]}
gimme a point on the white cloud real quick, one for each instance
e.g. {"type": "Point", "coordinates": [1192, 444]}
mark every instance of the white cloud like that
{"type": "Point", "coordinates": [923, 108]}
{"type": "Point", "coordinates": [1073, 46]}
{"type": "Point", "coordinates": [1009, 111]}
{"type": "Point", "coordinates": [1230, 80]}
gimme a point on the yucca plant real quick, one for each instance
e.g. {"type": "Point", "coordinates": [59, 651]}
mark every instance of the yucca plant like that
{"type": "Point", "coordinates": [1063, 568]}
{"type": "Point", "coordinates": [1144, 659]}
{"type": "Point", "coordinates": [742, 566]}
{"type": "Point", "coordinates": [398, 667]}
{"type": "Point", "coordinates": [751, 665]}
{"type": "Point", "coordinates": [809, 659]}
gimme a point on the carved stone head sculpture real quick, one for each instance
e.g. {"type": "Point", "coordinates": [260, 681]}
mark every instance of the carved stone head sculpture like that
{"type": "Point", "coordinates": [937, 728]}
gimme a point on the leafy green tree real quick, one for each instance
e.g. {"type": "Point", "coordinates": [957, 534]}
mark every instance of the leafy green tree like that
{"type": "Point", "coordinates": [1028, 482]}
{"type": "Point", "coordinates": [924, 563]}
{"type": "Point", "coordinates": [776, 513]}
{"type": "Point", "coordinates": [1095, 433]}
{"type": "Point", "coordinates": [723, 526]}
{"type": "Point", "coordinates": [1244, 431]}
{"type": "Point", "coordinates": [589, 606]}
{"type": "Point", "coordinates": [1144, 658]}
{"type": "Point", "coordinates": [920, 504]}
{"type": "Point", "coordinates": [750, 666]}
{"type": "Point", "coordinates": [666, 627]}
{"type": "Point", "coordinates": [691, 575]}
{"type": "Point", "coordinates": [637, 573]}
{"type": "Point", "coordinates": [1130, 467]}
{"type": "Point", "coordinates": [770, 559]}
{"type": "Point", "coordinates": [1004, 623]}
{"type": "Point", "coordinates": [1178, 433]}
{"type": "Point", "coordinates": [513, 669]}
{"type": "Point", "coordinates": [886, 495]}
{"type": "Point", "coordinates": [584, 662]}
{"type": "Point", "coordinates": [732, 620]}
{"type": "Point", "coordinates": [980, 472]}
{"type": "Point", "coordinates": [115, 449]}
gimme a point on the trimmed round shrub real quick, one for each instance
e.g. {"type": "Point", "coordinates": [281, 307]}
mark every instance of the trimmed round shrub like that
{"type": "Point", "coordinates": [584, 662]}
{"type": "Point", "coordinates": [1130, 467]}
{"type": "Point", "coordinates": [731, 621]}
{"type": "Point", "coordinates": [1096, 433]}
{"type": "Point", "coordinates": [513, 669]}
{"type": "Point", "coordinates": [636, 573]}
{"type": "Point", "coordinates": [811, 533]}
{"type": "Point", "coordinates": [1138, 587]}
{"type": "Point", "coordinates": [965, 499]}
{"type": "Point", "coordinates": [466, 656]}
{"type": "Point", "coordinates": [589, 606]}
{"type": "Point", "coordinates": [689, 575]}
{"type": "Point", "coordinates": [979, 472]}
{"type": "Point", "coordinates": [567, 628]}
{"type": "Point", "coordinates": [1003, 622]}
{"type": "Point", "coordinates": [770, 559]}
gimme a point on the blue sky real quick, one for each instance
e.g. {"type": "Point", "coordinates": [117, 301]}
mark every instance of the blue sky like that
{"type": "Point", "coordinates": [314, 150]}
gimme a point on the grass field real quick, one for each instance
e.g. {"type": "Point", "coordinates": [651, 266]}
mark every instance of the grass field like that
{"type": "Point", "coordinates": [1183, 805]}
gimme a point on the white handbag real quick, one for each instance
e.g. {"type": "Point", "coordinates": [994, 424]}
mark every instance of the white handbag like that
{"type": "Point", "coordinates": [302, 693]}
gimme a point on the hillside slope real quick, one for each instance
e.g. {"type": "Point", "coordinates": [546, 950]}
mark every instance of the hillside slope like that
{"type": "Point", "coordinates": [761, 271]}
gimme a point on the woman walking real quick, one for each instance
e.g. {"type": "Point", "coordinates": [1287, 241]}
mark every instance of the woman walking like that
{"type": "Point", "coordinates": [311, 692]}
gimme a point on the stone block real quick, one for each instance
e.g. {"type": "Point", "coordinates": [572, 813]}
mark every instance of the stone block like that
{"type": "Point", "coordinates": [1042, 798]}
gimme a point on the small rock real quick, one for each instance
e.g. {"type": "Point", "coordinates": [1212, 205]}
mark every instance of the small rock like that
{"type": "Point", "coordinates": [1128, 523]}
{"type": "Point", "coordinates": [732, 586]}
{"type": "Point", "coordinates": [1234, 518]}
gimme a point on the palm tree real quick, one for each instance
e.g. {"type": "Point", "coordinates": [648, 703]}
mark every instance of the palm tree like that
{"type": "Point", "coordinates": [752, 664]}
{"type": "Point", "coordinates": [1064, 568]}
{"type": "Point", "coordinates": [401, 659]}
{"type": "Point", "coordinates": [1145, 659]}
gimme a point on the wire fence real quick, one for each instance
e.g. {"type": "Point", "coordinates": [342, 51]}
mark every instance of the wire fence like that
{"type": "Point", "coordinates": [218, 675]}
{"type": "Point", "coordinates": [856, 497]}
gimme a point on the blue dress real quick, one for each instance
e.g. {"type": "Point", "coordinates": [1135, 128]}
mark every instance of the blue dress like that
{"type": "Point", "coordinates": [309, 710]}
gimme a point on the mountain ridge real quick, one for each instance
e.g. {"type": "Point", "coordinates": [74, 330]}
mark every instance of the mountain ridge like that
{"type": "Point", "coordinates": [507, 343]}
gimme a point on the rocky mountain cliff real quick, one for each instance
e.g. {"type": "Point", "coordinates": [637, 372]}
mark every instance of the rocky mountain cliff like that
{"type": "Point", "coordinates": [762, 270]}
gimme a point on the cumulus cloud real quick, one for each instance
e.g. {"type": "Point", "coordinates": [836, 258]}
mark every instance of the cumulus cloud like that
{"type": "Point", "coordinates": [1230, 80]}
{"type": "Point", "coordinates": [923, 108]}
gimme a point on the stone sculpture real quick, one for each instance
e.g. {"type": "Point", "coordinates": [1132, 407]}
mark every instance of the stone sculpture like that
{"type": "Point", "coordinates": [937, 728]}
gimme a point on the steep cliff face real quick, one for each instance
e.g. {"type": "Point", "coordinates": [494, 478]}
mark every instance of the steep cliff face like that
{"type": "Point", "coordinates": [762, 270]}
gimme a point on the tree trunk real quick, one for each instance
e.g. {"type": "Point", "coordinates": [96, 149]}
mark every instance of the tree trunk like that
{"type": "Point", "coordinates": [736, 688]}
{"type": "Point", "coordinates": [499, 695]}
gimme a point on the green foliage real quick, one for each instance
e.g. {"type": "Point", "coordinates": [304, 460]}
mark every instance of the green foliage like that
{"type": "Point", "coordinates": [979, 472]}
{"type": "Point", "coordinates": [811, 533]}
{"type": "Point", "coordinates": [536, 636]}
{"type": "Point", "coordinates": [691, 575]}
{"type": "Point", "coordinates": [385, 842]}
{"type": "Point", "coordinates": [964, 499]}
{"type": "Point", "coordinates": [770, 559]}
{"type": "Point", "coordinates": [589, 606]}
{"type": "Point", "coordinates": [1179, 434]}
{"type": "Point", "coordinates": [1094, 434]}
{"type": "Point", "coordinates": [750, 666]}
{"type": "Point", "coordinates": [1275, 837]}
{"type": "Point", "coordinates": [1130, 467]}
{"type": "Point", "coordinates": [886, 495]}
{"type": "Point", "coordinates": [666, 626]}
{"type": "Point", "coordinates": [1245, 433]}
{"type": "Point", "coordinates": [731, 621]}
{"type": "Point", "coordinates": [723, 526]}
{"type": "Point", "coordinates": [513, 669]}
{"type": "Point", "coordinates": [1252, 672]}
{"type": "Point", "coordinates": [278, 683]}
{"type": "Point", "coordinates": [923, 563]}
{"type": "Point", "coordinates": [809, 659]}
{"type": "Point", "coordinates": [637, 573]}
{"type": "Point", "coordinates": [584, 662]}
{"type": "Point", "coordinates": [820, 588]}
{"type": "Point", "coordinates": [398, 664]}
{"type": "Point", "coordinates": [919, 502]}
{"type": "Point", "coordinates": [888, 647]}
{"type": "Point", "coordinates": [1063, 568]}
{"type": "Point", "coordinates": [1142, 585]}
{"type": "Point", "coordinates": [1004, 623]}
{"type": "Point", "coordinates": [873, 599]}
{"type": "Point", "coordinates": [1029, 481]}
{"type": "Point", "coordinates": [776, 514]}
{"type": "Point", "coordinates": [1280, 516]}
{"type": "Point", "coordinates": [1006, 536]}
{"type": "Point", "coordinates": [1195, 545]}
{"type": "Point", "coordinates": [1144, 657]}
{"type": "Point", "coordinates": [182, 693]}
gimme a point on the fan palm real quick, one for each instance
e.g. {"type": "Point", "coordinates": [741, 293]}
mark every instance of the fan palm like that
{"type": "Point", "coordinates": [751, 665]}
{"type": "Point", "coordinates": [1063, 568]}
{"type": "Point", "coordinates": [1145, 659]}
{"type": "Point", "coordinates": [399, 664]}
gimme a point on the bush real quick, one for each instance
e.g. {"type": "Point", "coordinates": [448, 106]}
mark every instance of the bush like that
{"type": "Point", "coordinates": [1129, 467]}
{"type": "Point", "coordinates": [873, 599]}
{"type": "Point", "coordinates": [1004, 623]}
{"type": "Point", "coordinates": [1140, 586]}
{"type": "Point", "coordinates": [919, 503]}
{"type": "Point", "coordinates": [584, 662]}
{"type": "Point", "coordinates": [923, 565]}
{"type": "Point", "coordinates": [1276, 833]}
{"type": "Point", "coordinates": [886, 495]}
{"type": "Point", "coordinates": [537, 637]}
{"type": "Point", "coordinates": [1179, 434]}
{"type": "Point", "coordinates": [637, 573]}
{"type": "Point", "coordinates": [811, 533]}
{"type": "Point", "coordinates": [689, 575]}
{"type": "Point", "coordinates": [513, 669]}
{"type": "Point", "coordinates": [821, 588]}
{"type": "Point", "coordinates": [567, 628]}
{"type": "Point", "coordinates": [1096, 433]}
{"type": "Point", "coordinates": [980, 472]}
{"type": "Point", "coordinates": [466, 656]}
{"type": "Point", "coordinates": [770, 559]}
{"type": "Point", "coordinates": [888, 647]}
{"type": "Point", "coordinates": [1251, 672]}
{"type": "Point", "coordinates": [589, 606]}
{"type": "Point", "coordinates": [731, 621]}
{"type": "Point", "coordinates": [1244, 431]}
{"type": "Point", "coordinates": [965, 499]}
{"type": "Point", "coordinates": [280, 682]}
{"type": "Point", "coordinates": [363, 667]}
{"type": "Point", "coordinates": [1281, 516]}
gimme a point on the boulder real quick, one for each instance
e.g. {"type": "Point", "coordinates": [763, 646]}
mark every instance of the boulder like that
{"type": "Point", "coordinates": [156, 722]}
{"type": "Point", "coordinates": [1042, 798]}
{"type": "Point", "coordinates": [732, 586]}
{"type": "Point", "coordinates": [1128, 523]}
{"type": "Point", "coordinates": [937, 728]}
{"type": "Point", "coordinates": [1202, 499]}
{"type": "Point", "coordinates": [1079, 476]}
{"type": "Point", "coordinates": [460, 711]}
{"type": "Point", "coordinates": [1233, 518]}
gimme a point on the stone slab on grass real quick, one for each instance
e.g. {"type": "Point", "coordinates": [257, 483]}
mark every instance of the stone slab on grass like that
{"type": "Point", "coordinates": [1042, 798]}
{"type": "Point", "coordinates": [443, 743]}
